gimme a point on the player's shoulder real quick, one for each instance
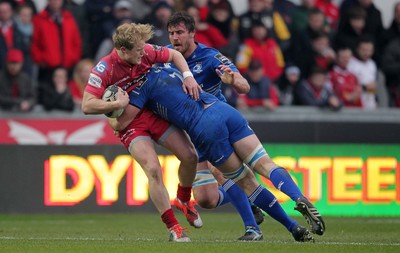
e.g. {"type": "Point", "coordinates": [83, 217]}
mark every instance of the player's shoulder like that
{"type": "Point", "coordinates": [153, 47]}
{"type": "Point", "coordinates": [104, 64]}
{"type": "Point", "coordinates": [213, 54]}
{"type": "Point", "coordinates": [206, 50]}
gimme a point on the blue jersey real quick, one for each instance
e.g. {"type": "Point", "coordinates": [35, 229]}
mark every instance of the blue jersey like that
{"type": "Point", "coordinates": [212, 130]}
{"type": "Point", "coordinates": [162, 93]}
{"type": "Point", "coordinates": [203, 62]}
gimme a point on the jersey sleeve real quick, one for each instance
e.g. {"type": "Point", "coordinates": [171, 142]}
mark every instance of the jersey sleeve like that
{"type": "Point", "coordinates": [98, 79]}
{"type": "Point", "coordinates": [139, 96]}
{"type": "Point", "coordinates": [156, 54]}
{"type": "Point", "coordinates": [219, 59]}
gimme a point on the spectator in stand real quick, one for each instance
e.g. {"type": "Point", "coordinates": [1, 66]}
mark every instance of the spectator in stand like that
{"type": "Point", "coordinates": [143, 8]}
{"type": "Point", "coordinates": [56, 40]}
{"type": "Point", "coordinates": [23, 21]}
{"type": "Point", "coordinates": [316, 25]}
{"type": "Point", "coordinates": [391, 68]}
{"type": "Point", "coordinates": [10, 36]}
{"type": "Point", "coordinates": [222, 17]}
{"type": "Point", "coordinates": [286, 9]}
{"type": "Point", "coordinates": [331, 12]}
{"type": "Point", "coordinates": [345, 83]}
{"type": "Point", "coordinates": [122, 13]}
{"type": "Point", "coordinates": [122, 10]}
{"type": "Point", "coordinates": [287, 83]}
{"type": "Point", "coordinates": [393, 32]}
{"type": "Point", "coordinates": [17, 92]}
{"type": "Point", "coordinates": [321, 55]}
{"type": "Point", "coordinates": [202, 7]}
{"type": "Point", "coordinates": [98, 13]}
{"type": "Point", "coordinates": [315, 91]}
{"type": "Point", "coordinates": [300, 15]}
{"type": "Point", "coordinates": [206, 33]}
{"type": "Point", "coordinates": [364, 68]}
{"type": "Point", "coordinates": [262, 11]}
{"type": "Point", "coordinates": [159, 17]}
{"type": "Point", "coordinates": [55, 94]}
{"type": "Point", "coordinates": [264, 48]}
{"type": "Point", "coordinates": [373, 25]}
{"type": "Point", "coordinates": [262, 92]}
{"type": "Point", "coordinates": [79, 80]}
{"type": "Point", "coordinates": [17, 3]}
{"type": "Point", "coordinates": [349, 33]}
{"type": "Point", "coordinates": [78, 11]}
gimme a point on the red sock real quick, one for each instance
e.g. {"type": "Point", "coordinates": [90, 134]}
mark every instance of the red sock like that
{"type": "Point", "coordinates": [184, 193]}
{"type": "Point", "coordinates": [168, 217]}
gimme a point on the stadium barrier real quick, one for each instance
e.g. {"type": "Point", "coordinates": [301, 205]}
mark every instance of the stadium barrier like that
{"type": "Point", "coordinates": [348, 163]}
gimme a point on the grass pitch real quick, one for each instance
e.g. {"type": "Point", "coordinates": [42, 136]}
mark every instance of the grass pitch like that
{"type": "Point", "coordinates": [115, 233]}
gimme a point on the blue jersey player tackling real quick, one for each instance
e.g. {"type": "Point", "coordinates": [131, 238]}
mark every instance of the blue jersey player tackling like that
{"type": "Point", "coordinates": [212, 69]}
{"type": "Point", "coordinates": [227, 143]}
{"type": "Point", "coordinates": [218, 131]}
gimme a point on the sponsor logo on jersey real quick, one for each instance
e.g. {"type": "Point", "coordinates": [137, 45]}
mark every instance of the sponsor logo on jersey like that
{"type": "Point", "coordinates": [135, 84]}
{"type": "Point", "coordinates": [100, 67]}
{"type": "Point", "coordinates": [198, 68]}
{"type": "Point", "coordinates": [95, 80]}
{"type": "Point", "coordinates": [122, 80]}
{"type": "Point", "coordinates": [223, 59]}
{"type": "Point", "coordinates": [219, 159]}
{"type": "Point", "coordinates": [157, 47]}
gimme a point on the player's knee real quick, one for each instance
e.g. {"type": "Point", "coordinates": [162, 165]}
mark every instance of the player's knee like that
{"type": "Point", "coordinates": [206, 201]}
{"type": "Point", "coordinates": [153, 173]}
{"type": "Point", "coordinates": [189, 157]}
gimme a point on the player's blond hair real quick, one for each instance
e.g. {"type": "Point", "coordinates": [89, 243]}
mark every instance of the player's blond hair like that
{"type": "Point", "coordinates": [128, 35]}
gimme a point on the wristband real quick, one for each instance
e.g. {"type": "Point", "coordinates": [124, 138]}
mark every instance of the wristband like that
{"type": "Point", "coordinates": [187, 74]}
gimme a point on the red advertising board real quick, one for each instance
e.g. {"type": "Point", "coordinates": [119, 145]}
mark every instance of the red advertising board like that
{"type": "Point", "coordinates": [51, 131]}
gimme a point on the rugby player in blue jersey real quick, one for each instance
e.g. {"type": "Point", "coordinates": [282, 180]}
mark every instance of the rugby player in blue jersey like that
{"type": "Point", "coordinates": [225, 139]}
{"type": "Point", "coordinates": [212, 69]}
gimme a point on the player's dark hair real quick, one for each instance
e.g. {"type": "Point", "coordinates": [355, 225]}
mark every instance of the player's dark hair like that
{"type": "Point", "coordinates": [182, 17]}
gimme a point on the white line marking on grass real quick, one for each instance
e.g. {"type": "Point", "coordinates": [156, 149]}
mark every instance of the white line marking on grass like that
{"type": "Point", "coordinates": [200, 241]}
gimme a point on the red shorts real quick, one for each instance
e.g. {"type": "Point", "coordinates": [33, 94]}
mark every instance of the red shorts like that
{"type": "Point", "coordinates": [147, 125]}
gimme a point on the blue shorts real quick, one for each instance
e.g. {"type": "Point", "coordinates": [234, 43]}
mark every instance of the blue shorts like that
{"type": "Point", "coordinates": [218, 129]}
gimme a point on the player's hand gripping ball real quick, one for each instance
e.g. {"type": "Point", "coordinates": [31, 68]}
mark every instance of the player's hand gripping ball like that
{"type": "Point", "coordinates": [110, 94]}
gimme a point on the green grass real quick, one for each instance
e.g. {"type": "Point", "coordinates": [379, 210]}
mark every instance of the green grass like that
{"type": "Point", "coordinates": [135, 233]}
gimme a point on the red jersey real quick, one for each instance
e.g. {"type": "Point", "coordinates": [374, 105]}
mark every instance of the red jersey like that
{"type": "Point", "coordinates": [344, 82]}
{"type": "Point", "coordinates": [111, 69]}
{"type": "Point", "coordinates": [330, 10]}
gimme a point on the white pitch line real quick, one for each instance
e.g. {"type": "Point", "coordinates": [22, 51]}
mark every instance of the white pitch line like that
{"type": "Point", "coordinates": [202, 241]}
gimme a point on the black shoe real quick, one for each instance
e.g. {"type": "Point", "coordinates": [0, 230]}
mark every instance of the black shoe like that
{"type": "Point", "coordinates": [311, 215]}
{"type": "Point", "coordinates": [252, 234]}
{"type": "Point", "coordinates": [258, 214]}
{"type": "Point", "coordinates": [301, 234]}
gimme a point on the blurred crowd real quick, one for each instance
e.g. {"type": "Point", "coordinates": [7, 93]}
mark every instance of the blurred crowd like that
{"type": "Point", "coordinates": [315, 53]}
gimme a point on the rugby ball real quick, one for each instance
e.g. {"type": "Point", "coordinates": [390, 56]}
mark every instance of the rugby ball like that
{"type": "Point", "coordinates": [110, 94]}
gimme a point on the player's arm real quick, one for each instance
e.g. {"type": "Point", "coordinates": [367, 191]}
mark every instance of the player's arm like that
{"type": "Point", "coordinates": [120, 123]}
{"type": "Point", "coordinates": [94, 105]}
{"type": "Point", "coordinates": [189, 83]}
{"type": "Point", "coordinates": [234, 79]}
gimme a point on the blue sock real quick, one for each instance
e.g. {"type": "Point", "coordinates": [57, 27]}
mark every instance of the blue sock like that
{"type": "Point", "coordinates": [223, 197]}
{"type": "Point", "coordinates": [239, 200]}
{"type": "Point", "coordinates": [284, 182]}
{"type": "Point", "coordinates": [265, 200]}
